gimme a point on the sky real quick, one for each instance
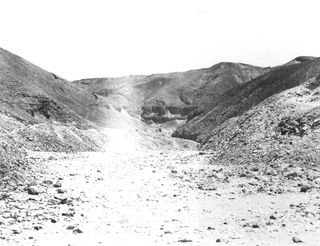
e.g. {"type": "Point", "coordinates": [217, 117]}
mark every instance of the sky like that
{"type": "Point", "coordinates": [79, 39]}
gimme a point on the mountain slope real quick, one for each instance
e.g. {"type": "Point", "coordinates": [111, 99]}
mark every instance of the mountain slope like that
{"type": "Point", "coordinates": [163, 97]}
{"type": "Point", "coordinates": [240, 99]}
{"type": "Point", "coordinates": [35, 95]}
{"type": "Point", "coordinates": [40, 111]}
{"type": "Point", "coordinates": [272, 118]}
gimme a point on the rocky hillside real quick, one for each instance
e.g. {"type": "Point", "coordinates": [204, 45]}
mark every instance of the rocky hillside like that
{"type": "Point", "coordinates": [35, 109]}
{"type": "Point", "coordinates": [271, 119]}
{"type": "Point", "coordinates": [162, 97]}
{"type": "Point", "coordinates": [39, 100]}
{"type": "Point", "coordinates": [40, 111]}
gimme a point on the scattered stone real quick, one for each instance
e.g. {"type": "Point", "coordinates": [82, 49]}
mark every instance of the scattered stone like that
{"type": "Point", "coordinates": [269, 223]}
{"type": "Point", "coordinates": [185, 241]}
{"type": "Point", "coordinates": [57, 185]}
{"type": "Point", "coordinates": [255, 226]}
{"type": "Point", "coordinates": [297, 240]}
{"type": "Point", "coordinates": [292, 175]}
{"type": "Point", "coordinates": [174, 171]}
{"type": "Point", "coordinates": [37, 228]}
{"type": "Point", "coordinates": [77, 231]}
{"type": "Point", "coordinates": [272, 217]}
{"type": "Point", "coordinates": [68, 214]}
{"type": "Point", "coordinates": [61, 191]}
{"type": "Point", "coordinates": [53, 220]}
{"type": "Point", "coordinates": [54, 201]}
{"type": "Point", "coordinates": [48, 182]}
{"type": "Point", "coordinates": [33, 191]}
{"type": "Point", "coordinates": [64, 201]}
{"type": "Point", "coordinates": [218, 240]}
{"type": "Point", "coordinates": [211, 189]}
{"type": "Point", "coordinates": [210, 228]}
{"type": "Point", "coordinates": [167, 232]}
{"type": "Point", "coordinates": [71, 227]}
{"type": "Point", "coordinates": [271, 172]}
{"type": "Point", "coordinates": [305, 188]}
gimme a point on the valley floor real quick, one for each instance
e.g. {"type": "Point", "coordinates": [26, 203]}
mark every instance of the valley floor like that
{"type": "Point", "coordinates": [153, 198]}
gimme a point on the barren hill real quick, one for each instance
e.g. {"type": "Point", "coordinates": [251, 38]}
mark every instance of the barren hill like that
{"type": "Point", "coordinates": [40, 111]}
{"type": "Point", "coordinates": [268, 119]}
{"type": "Point", "coordinates": [163, 97]}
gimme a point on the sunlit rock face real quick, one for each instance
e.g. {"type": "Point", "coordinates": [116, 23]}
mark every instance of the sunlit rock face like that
{"type": "Point", "coordinates": [161, 113]}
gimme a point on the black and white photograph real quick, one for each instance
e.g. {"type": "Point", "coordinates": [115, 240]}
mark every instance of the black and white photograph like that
{"type": "Point", "coordinates": [159, 123]}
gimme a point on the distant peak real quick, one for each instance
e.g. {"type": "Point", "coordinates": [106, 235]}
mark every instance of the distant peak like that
{"type": "Point", "coordinates": [304, 58]}
{"type": "Point", "coordinates": [301, 59]}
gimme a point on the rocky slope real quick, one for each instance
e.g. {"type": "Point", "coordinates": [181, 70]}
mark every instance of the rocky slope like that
{"type": "Point", "coordinates": [40, 111]}
{"type": "Point", "coordinates": [272, 119]}
{"type": "Point", "coordinates": [162, 97]}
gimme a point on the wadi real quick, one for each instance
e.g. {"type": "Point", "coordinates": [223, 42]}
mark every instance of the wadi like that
{"type": "Point", "coordinates": [225, 155]}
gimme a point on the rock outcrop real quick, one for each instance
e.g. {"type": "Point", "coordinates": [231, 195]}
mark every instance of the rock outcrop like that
{"type": "Point", "coordinates": [161, 113]}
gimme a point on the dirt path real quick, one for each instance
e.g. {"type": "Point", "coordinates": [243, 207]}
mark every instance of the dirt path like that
{"type": "Point", "coordinates": [152, 198]}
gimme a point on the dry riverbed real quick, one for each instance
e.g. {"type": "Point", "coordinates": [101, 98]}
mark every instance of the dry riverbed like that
{"type": "Point", "coordinates": [156, 198]}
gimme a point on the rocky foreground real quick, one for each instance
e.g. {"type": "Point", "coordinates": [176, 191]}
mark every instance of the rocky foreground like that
{"type": "Point", "coordinates": [159, 198]}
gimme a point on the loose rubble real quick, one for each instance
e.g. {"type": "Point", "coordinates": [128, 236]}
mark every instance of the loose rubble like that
{"type": "Point", "coordinates": [159, 198]}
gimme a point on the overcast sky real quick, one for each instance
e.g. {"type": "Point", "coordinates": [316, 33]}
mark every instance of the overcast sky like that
{"type": "Point", "coordinates": [79, 39]}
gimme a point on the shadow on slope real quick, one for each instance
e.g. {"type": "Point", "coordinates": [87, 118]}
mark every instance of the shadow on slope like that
{"type": "Point", "coordinates": [240, 99]}
{"type": "Point", "coordinates": [269, 124]}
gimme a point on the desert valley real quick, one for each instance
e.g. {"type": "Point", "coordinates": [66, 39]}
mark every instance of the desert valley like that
{"type": "Point", "coordinates": [225, 155]}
